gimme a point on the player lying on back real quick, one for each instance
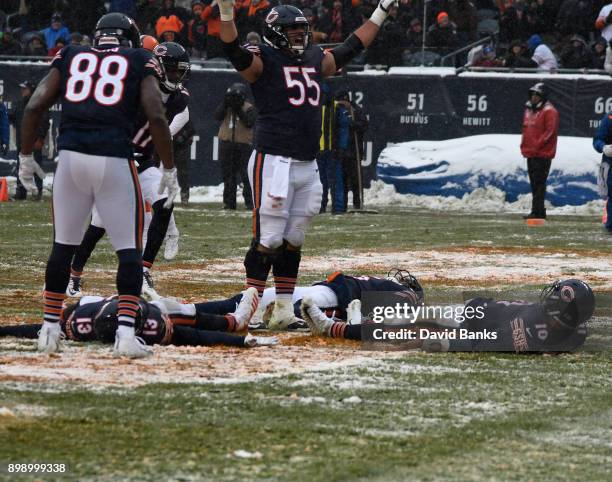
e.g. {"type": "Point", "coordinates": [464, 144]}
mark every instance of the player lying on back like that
{"type": "Point", "coordinates": [174, 63]}
{"type": "Point", "coordinates": [164, 322]}
{"type": "Point", "coordinates": [556, 323]}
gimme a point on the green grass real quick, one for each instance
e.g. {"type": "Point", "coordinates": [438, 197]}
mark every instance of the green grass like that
{"type": "Point", "coordinates": [417, 416]}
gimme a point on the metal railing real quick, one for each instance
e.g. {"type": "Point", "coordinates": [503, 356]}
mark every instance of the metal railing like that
{"type": "Point", "coordinates": [453, 55]}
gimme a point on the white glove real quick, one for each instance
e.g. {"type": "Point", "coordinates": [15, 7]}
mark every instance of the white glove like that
{"type": "Point", "coordinates": [607, 150]}
{"type": "Point", "coordinates": [226, 10]}
{"type": "Point", "coordinates": [251, 341]}
{"type": "Point", "coordinates": [27, 168]}
{"type": "Point", "coordinates": [169, 182]}
{"type": "Point", "coordinates": [381, 12]}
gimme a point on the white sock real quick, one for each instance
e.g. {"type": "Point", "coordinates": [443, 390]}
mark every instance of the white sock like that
{"type": "Point", "coordinates": [125, 331]}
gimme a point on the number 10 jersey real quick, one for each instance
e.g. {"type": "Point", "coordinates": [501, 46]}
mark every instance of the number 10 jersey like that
{"type": "Point", "coordinates": [100, 97]}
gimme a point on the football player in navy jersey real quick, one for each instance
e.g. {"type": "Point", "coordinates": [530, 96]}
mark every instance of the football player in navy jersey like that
{"type": "Point", "coordinates": [175, 66]}
{"type": "Point", "coordinates": [164, 322]}
{"type": "Point", "coordinates": [101, 88]}
{"type": "Point", "coordinates": [285, 73]}
{"type": "Point", "coordinates": [556, 323]}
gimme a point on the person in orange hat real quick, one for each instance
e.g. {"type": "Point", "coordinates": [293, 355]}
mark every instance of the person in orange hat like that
{"type": "Point", "coordinates": [442, 37]}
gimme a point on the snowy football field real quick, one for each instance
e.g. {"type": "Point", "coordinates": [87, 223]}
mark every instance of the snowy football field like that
{"type": "Point", "coordinates": [312, 408]}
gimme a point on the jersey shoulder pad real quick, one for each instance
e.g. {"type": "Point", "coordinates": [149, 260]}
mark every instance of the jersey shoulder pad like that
{"type": "Point", "coordinates": [60, 58]}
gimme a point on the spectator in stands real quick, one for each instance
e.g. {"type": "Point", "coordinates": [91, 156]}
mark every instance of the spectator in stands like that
{"type": "Point", "coordinates": [443, 35]}
{"type": "Point", "coordinates": [169, 9]}
{"type": "Point", "coordinates": [148, 13]}
{"type": "Point", "coordinates": [196, 30]}
{"type": "Point", "coordinates": [541, 54]}
{"type": "Point", "coordinates": [57, 30]}
{"type": "Point", "coordinates": [210, 15]}
{"type": "Point", "coordinates": [604, 22]}
{"type": "Point", "coordinates": [599, 53]}
{"type": "Point", "coordinates": [8, 44]}
{"type": "Point", "coordinates": [530, 24]}
{"type": "Point", "coordinates": [539, 144]}
{"type": "Point", "coordinates": [335, 34]}
{"type": "Point", "coordinates": [76, 38]}
{"type": "Point", "coordinates": [35, 46]}
{"type": "Point", "coordinates": [574, 17]}
{"type": "Point", "coordinates": [511, 25]}
{"type": "Point", "coordinates": [414, 36]}
{"type": "Point", "coordinates": [169, 28]}
{"type": "Point", "coordinates": [251, 15]}
{"type": "Point", "coordinates": [60, 43]}
{"type": "Point", "coordinates": [463, 14]}
{"type": "Point", "coordinates": [576, 54]}
{"type": "Point", "coordinates": [488, 58]}
{"type": "Point", "coordinates": [86, 40]}
{"type": "Point", "coordinates": [324, 20]}
{"type": "Point", "coordinates": [518, 56]}
{"type": "Point", "coordinates": [392, 39]}
{"type": "Point", "coordinates": [317, 35]}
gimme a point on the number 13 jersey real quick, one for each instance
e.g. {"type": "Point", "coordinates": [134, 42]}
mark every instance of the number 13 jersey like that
{"type": "Point", "coordinates": [288, 97]}
{"type": "Point", "coordinates": [100, 97]}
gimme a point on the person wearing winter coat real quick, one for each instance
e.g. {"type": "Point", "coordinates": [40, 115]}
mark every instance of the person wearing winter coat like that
{"type": "Point", "coordinates": [539, 144]}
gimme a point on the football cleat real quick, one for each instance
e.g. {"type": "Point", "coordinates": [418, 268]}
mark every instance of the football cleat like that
{"type": "Point", "coordinates": [246, 309]}
{"type": "Point", "coordinates": [316, 320]}
{"type": "Point", "coordinates": [148, 288]}
{"type": "Point", "coordinates": [50, 338]}
{"type": "Point", "coordinates": [74, 289]}
{"type": "Point", "coordinates": [353, 313]}
{"type": "Point", "coordinates": [172, 246]}
{"type": "Point", "coordinates": [257, 322]}
{"type": "Point", "coordinates": [131, 346]}
{"type": "Point", "coordinates": [282, 316]}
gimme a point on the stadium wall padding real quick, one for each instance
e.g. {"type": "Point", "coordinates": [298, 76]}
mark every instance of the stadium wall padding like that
{"type": "Point", "coordinates": [400, 107]}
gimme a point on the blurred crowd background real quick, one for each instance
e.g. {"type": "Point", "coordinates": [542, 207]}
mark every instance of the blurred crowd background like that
{"type": "Point", "coordinates": [574, 32]}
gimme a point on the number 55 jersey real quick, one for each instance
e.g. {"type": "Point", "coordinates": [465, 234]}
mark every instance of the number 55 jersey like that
{"type": "Point", "coordinates": [288, 98]}
{"type": "Point", "coordinates": [100, 97]}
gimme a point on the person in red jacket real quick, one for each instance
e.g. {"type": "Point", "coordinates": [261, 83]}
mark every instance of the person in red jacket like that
{"type": "Point", "coordinates": [539, 144]}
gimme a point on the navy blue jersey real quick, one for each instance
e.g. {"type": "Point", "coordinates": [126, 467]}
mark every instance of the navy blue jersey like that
{"type": "Point", "coordinates": [349, 288]}
{"type": "Point", "coordinates": [288, 101]}
{"type": "Point", "coordinates": [100, 97]}
{"type": "Point", "coordinates": [175, 103]}
{"type": "Point", "coordinates": [521, 327]}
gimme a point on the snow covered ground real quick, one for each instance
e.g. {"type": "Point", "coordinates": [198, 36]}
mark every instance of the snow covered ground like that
{"type": "Point", "coordinates": [457, 167]}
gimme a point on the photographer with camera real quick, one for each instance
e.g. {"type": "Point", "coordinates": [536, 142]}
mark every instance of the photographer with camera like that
{"type": "Point", "coordinates": [237, 117]}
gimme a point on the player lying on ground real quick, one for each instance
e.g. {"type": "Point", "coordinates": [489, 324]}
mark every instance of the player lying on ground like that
{"type": "Point", "coordinates": [556, 323]}
{"type": "Point", "coordinates": [101, 89]}
{"type": "Point", "coordinates": [163, 322]}
{"type": "Point", "coordinates": [285, 73]}
{"type": "Point", "coordinates": [174, 63]}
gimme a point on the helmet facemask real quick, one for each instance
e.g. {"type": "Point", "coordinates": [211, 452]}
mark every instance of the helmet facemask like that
{"type": "Point", "coordinates": [298, 37]}
{"type": "Point", "coordinates": [173, 73]}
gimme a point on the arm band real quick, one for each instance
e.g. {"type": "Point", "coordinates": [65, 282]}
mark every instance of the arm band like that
{"type": "Point", "coordinates": [240, 58]}
{"type": "Point", "coordinates": [347, 51]}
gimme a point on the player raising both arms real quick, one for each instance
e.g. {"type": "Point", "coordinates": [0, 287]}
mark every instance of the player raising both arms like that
{"type": "Point", "coordinates": [285, 74]}
{"type": "Point", "coordinates": [101, 89]}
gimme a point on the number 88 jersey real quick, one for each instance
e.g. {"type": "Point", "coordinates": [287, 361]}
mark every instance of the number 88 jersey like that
{"type": "Point", "coordinates": [100, 97]}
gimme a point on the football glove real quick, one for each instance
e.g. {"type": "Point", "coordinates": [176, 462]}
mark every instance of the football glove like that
{"type": "Point", "coordinates": [169, 182]}
{"type": "Point", "coordinates": [251, 341]}
{"type": "Point", "coordinates": [381, 12]}
{"type": "Point", "coordinates": [607, 150]}
{"type": "Point", "coordinates": [27, 168]}
{"type": "Point", "coordinates": [226, 10]}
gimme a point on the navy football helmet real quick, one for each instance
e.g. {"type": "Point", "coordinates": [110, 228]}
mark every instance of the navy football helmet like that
{"type": "Point", "coordinates": [540, 89]}
{"type": "Point", "coordinates": [106, 320]}
{"type": "Point", "coordinates": [407, 280]}
{"type": "Point", "coordinates": [570, 302]}
{"type": "Point", "coordinates": [279, 21]}
{"type": "Point", "coordinates": [174, 62]}
{"type": "Point", "coordinates": [119, 26]}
